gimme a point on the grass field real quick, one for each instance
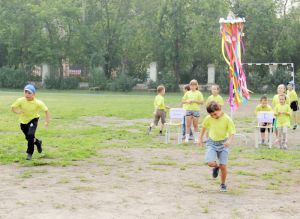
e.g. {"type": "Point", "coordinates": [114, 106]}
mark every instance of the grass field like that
{"type": "Point", "coordinates": [107, 131]}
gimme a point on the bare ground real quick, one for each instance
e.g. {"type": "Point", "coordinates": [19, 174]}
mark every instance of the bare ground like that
{"type": "Point", "coordinates": [151, 183]}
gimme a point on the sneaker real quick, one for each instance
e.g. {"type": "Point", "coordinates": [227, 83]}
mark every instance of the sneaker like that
{"type": "Point", "coordinates": [191, 137]}
{"type": "Point", "coordinates": [38, 144]}
{"type": "Point", "coordinates": [186, 140]}
{"type": "Point", "coordinates": [285, 146]}
{"type": "Point", "coordinates": [149, 130]}
{"type": "Point", "coordinates": [29, 156]}
{"type": "Point", "coordinates": [295, 126]}
{"type": "Point", "coordinates": [215, 172]}
{"type": "Point", "coordinates": [223, 188]}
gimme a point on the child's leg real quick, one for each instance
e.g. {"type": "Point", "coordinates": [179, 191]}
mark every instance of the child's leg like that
{"type": "Point", "coordinates": [196, 130]}
{"type": "Point", "coordinates": [183, 126]}
{"type": "Point", "coordinates": [263, 134]}
{"type": "Point", "coordinates": [280, 132]}
{"type": "Point", "coordinates": [284, 137]}
{"type": "Point", "coordinates": [223, 159]}
{"type": "Point", "coordinates": [189, 120]}
{"type": "Point", "coordinates": [29, 131]}
{"type": "Point", "coordinates": [223, 173]}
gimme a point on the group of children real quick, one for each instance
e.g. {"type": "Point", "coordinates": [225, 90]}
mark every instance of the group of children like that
{"type": "Point", "coordinates": [220, 126]}
{"type": "Point", "coordinates": [285, 107]}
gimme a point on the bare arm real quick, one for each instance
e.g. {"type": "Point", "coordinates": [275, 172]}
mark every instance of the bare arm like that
{"type": "Point", "coordinates": [47, 118]}
{"type": "Point", "coordinates": [16, 110]}
{"type": "Point", "coordinates": [229, 141]}
{"type": "Point", "coordinates": [203, 130]}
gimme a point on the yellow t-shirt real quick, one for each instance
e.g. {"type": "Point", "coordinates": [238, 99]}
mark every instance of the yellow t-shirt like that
{"type": "Point", "coordinates": [159, 102]}
{"type": "Point", "coordinates": [219, 129]}
{"type": "Point", "coordinates": [275, 100]}
{"type": "Point", "coordinates": [261, 108]}
{"type": "Point", "coordinates": [283, 119]}
{"type": "Point", "coordinates": [292, 95]}
{"type": "Point", "coordinates": [30, 109]}
{"type": "Point", "coordinates": [217, 99]}
{"type": "Point", "coordinates": [193, 95]}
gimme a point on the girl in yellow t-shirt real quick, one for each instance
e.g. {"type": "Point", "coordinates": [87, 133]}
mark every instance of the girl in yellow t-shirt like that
{"type": "Point", "coordinates": [193, 99]}
{"type": "Point", "coordinates": [283, 114]}
{"type": "Point", "coordinates": [215, 95]}
{"type": "Point", "coordinates": [292, 95]}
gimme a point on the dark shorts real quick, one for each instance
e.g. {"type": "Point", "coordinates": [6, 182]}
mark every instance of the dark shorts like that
{"type": "Point", "coordinates": [160, 115]}
{"type": "Point", "coordinates": [263, 130]}
{"type": "Point", "coordinates": [194, 113]}
{"type": "Point", "coordinates": [294, 106]}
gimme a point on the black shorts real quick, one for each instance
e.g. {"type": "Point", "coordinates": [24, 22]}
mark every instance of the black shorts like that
{"type": "Point", "coordinates": [294, 106]}
{"type": "Point", "coordinates": [263, 130]}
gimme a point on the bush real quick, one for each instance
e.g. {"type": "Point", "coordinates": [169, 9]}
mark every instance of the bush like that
{"type": "Point", "coordinates": [169, 81]}
{"type": "Point", "coordinates": [152, 84]}
{"type": "Point", "coordinates": [13, 78]}
{"type": "Point", "coordinates": [98, 79]}
{"type": "Point", "coordinates": [69, 83]}
{"type": "Point", "coordinates": [122, 83]}
{"type": "Point", "coordinates": [65, 83]}
{"type": "Point", "coordinates": [52, 83]}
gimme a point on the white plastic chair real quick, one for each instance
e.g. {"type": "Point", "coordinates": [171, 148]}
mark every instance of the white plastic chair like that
{"type": "Point", "coordinates": [264, 117]}
{"type": "Point", "coordinates": [176, 118]}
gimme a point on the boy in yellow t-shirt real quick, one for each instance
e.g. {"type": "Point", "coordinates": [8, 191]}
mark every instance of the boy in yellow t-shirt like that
{"type": "Point", "coordinates": [28, 108]}
{"type": "Point", "coordinates": [193, 99]}
{"type": "Point", "coordinates": [221, 133]}
{"type": "Point", "coordinates": [215, 95]}
{"type": "Point", "coordinates": [292, 95]}
{"type": "Point", "coordinates": [283, 114]}
{"type": "Point", "coordinates": [159, 109]}
{"type": "Point", "coordinates": [263, 107]}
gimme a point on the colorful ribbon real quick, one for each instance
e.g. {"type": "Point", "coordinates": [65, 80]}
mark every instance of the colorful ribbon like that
{"type": "Point", "coordinates": [232, 43]}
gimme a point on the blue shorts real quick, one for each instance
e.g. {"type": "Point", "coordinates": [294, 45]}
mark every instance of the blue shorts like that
{"type": "Point", "coordinates": [194, 113]}
{"type": "Point", "coordinates": [216, 149]}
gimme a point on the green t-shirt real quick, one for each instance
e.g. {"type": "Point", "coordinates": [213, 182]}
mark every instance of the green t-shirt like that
{"type": "Point", "coordinates": [193, 95]}
{"type": "Point", "coordinates": [217, 99]}
{"type": "Point", "coordinates": [261, 108]}
{"type": "Point", "coordinates": [219, 129]}
{"type": "Point", "coordinates": [30, 109]}
{"type": "Point", "coordinates": [292, 95]}
{"type": "Point", "coordinates": [159, 102]}
{"type": "Point", "coordinates": [275, 100]}
{"type": "Point", "coordinates": [283, 119]}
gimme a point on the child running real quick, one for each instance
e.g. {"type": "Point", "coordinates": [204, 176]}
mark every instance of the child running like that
{"type": "Point", "coordinates": [221, 133]}
{"type": "Point", "coordinates": [283, 114]}
{"type": "Point", "coordinates": [215, 95]}
{"type": "Point", "coordinates": [193, 99]}
{"type": "Point", "coordinates": [186, 88]}
{"type": "Point", "coordinates": [159, 109]}
{"type": "Point", "coordinates": [292, 95]}
{"type": "Point", "coordinates": [28, 108]}
{"type": "Point", "coordinates": [263, 107]}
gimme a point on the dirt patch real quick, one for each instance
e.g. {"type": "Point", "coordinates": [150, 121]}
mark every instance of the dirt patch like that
{"type": "Point", "coordinates": [112, 121]}
{"type": "Point", "coordinates": [144, 183]}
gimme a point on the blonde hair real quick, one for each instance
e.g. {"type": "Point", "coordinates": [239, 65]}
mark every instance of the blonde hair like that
{"type": "Point", "coordinates": [194, 82]}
